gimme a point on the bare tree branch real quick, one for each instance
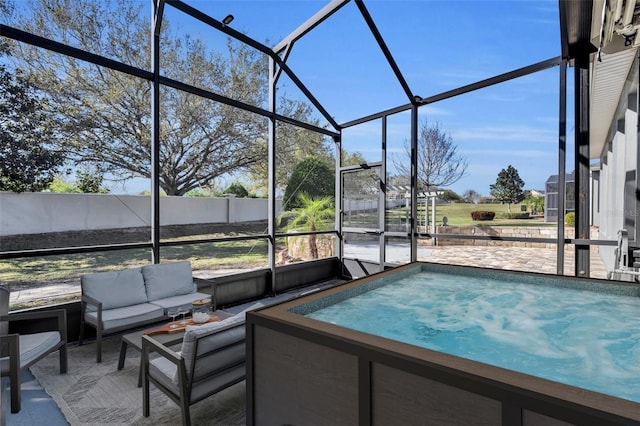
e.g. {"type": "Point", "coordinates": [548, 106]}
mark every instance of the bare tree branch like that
{"type": "Point", "coordinates": [439, 163]}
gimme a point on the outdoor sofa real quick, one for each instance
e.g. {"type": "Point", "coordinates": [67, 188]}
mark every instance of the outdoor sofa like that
{"type": "Point", "coordinates": [119, 300]}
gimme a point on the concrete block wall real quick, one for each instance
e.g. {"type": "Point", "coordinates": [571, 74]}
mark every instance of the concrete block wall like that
{"type": "Point", "coordinates": [501, 232]}
{"type": "Point", "coordinates": [41, 212]}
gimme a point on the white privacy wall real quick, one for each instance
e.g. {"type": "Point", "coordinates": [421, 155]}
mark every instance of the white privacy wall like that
{"type": "Point", "coordinates": [41, 212]}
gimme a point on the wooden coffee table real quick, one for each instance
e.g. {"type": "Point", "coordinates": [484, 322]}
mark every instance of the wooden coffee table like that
{"type": "Point", "coordinates": [134, 339]}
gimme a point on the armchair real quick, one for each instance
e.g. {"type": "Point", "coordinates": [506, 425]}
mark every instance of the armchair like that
{"type": "Point", "coordinates": [18, 352]}
{"type": "Point", "coordinates": [212, 358]}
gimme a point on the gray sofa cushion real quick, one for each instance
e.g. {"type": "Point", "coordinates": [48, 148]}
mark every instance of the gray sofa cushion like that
{"type": "Point", "coordinates": [126, 315]}
{"type": "Point", "coordinates": [175, 301]}
{"type": "Point", "coordinates": [115, 289]}
{"type": "Point", "coordinates": [168, 279]}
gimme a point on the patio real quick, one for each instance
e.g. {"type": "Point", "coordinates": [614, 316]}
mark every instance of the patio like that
{"type": "Point", "coordinates": [601, 129]}
{"type": "Point", "coordinates": [101, 394]}
{"type": "Point", "coordinates": [227, 407]}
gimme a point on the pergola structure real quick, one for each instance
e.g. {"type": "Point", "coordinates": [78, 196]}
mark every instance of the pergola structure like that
{"type": "Point", "coordinates": [577, 50]}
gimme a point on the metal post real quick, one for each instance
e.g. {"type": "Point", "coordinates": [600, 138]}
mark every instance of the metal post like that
{"type": "Point", "coordinates": [414, 182]}
{"type": "Point", "coordinates": [562, 161]}
{"type": "Point", "coordinates": [272, 213]}
{"type": "Point", "coordinates": [636, 207]}
{"type": "Point", "coordinates": [582, 168]}
{"type": "Point", "coordinates": [156, 19]}
{"type": "Point", "coordinates": [339, 245]}
{"type": "Point", "coordinates": [382, 197]}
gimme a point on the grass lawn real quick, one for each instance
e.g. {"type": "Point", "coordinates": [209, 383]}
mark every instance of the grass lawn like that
{"type": "Point", "coordinates": [34, 273]}
{"type": "Point", "coordinates": [459, 214]}
{"type": "Point", "coordinates": [30, 272]}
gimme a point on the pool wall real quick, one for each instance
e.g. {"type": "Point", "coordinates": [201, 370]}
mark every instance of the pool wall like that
{"type": "Point", "coordinates": [306, 372]}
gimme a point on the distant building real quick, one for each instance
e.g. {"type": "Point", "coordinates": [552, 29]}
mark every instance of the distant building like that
{"type": "Point", "coordinates": [551, 197]}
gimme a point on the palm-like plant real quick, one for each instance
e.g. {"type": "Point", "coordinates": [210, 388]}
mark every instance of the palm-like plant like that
{"type": "Point", "coordinates": [316, 214]}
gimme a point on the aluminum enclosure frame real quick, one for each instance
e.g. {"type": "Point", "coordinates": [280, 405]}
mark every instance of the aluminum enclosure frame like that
{"type": "Point", "coordinates": [575, 17]}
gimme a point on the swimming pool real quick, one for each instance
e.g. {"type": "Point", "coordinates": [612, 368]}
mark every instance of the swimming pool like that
{"type": "Point", "coordinates": [466, 344]}
{"type": "Point", "coordinates": [589, 339]}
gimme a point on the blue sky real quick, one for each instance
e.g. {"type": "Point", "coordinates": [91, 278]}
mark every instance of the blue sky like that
{"type": "Point", "coordinates": [438, 45]}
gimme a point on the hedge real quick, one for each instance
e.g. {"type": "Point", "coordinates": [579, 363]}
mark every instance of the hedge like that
{"type": "Point", "coordinates": [482, 215]}
{"type": "Point", "coordinates": [514, 215]}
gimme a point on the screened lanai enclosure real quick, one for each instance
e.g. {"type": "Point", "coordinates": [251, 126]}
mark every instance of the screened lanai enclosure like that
{"type": "Point", "coordinates": [170, 105]}
{"type": "Point", "coordinates": [284, 148]}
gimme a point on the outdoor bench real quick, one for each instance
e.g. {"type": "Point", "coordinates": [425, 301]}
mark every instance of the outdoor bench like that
{"type": "Point", "coordinates": [120, 300]}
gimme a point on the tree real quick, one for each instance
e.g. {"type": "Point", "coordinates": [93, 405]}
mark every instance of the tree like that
{"type": "Point", "coordinates": [471, 196]}
{"type": "Point", "coordinates": [314, 214]}
{"type": "Point", "coordinates": [508, 187]}
{"type": "Point", "coordinates": [238, 190]}
{"type": "Point", "coordinates": [87, 182]}
{"type": "Point", "coordinates": [28, 161]}
{"type": "Point", "coordinates": [105, 114]}
{"type": "Point", "coordinates": [535, 203]}
{"type": "Point", "coordinates": [312, 177]}
{"type": "Point", "coordinates": [450, 196]}
{"type": "Point", "coordinates": [293, 145]}
{"type": "Point", "coordinates": [439, 163]}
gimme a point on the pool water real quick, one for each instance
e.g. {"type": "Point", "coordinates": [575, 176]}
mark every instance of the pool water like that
{"type": "Point", "coordinates": [587, 339]}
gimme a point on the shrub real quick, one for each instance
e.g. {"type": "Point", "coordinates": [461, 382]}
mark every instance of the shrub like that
{"type": "Point", "coordinates": [505, 215]}
{"type": "Point", "coordinates": [237, 189]}
{"type": "Point", "coordinates": [312, 176]}
{"type": "Point", "coordinates": [570, 219]}
{"type": "Point", "coordinates": [482, 215]}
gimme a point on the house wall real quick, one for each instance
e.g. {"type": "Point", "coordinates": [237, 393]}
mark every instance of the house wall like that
{"type": "Point", "coordinates": [617, 204]}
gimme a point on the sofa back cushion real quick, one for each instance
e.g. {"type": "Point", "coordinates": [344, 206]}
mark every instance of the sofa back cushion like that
{"type": "Point", "coordinates": [115, 289]}
{"type": "Point", "coordinates": [168, 279]}
{"type": "Point", "coordinates": [215, 346]}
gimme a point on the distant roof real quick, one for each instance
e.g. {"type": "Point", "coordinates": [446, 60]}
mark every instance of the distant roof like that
{"type": "Point", "coordinates": [569, 177]}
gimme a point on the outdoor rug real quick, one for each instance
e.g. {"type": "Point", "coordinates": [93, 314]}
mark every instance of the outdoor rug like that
{"type": "Point", "coordinates": [99, 394]}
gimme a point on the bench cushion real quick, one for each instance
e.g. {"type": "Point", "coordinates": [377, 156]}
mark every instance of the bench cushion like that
{"type": "Point", "coordinates": [168, 279]}
{"type": "Point", "coordinates": [175, 301]}
{"type": "Point", "coordinates": [126, 316]}
{"type": "Point", "coordinates": [115, 288]}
